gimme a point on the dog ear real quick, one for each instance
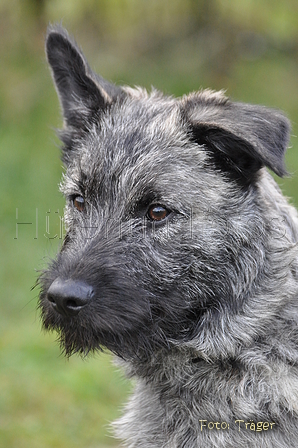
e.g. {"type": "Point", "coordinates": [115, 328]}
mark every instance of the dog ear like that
{"type": "Point", "coordinates": [241, 137]}
{"type": "Point", "coordinates": [82, 93]}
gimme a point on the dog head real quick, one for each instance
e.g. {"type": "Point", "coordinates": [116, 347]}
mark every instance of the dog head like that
{"type": "Point", "coordinates": [165, 226]}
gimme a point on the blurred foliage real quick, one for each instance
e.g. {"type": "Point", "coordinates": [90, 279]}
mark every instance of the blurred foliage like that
{"type": "Point", "coordinates": [206, 39]}
{"type": "Point", "coordinates": [249, 48]}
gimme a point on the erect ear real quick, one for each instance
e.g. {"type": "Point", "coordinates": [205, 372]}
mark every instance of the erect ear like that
{"type": "Point", "coordinates": [241, 137]}
{"type": "Point", "coordinates": [82, 93]}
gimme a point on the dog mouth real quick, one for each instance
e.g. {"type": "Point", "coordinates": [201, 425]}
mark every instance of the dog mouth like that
{"type": "Point", "coordinates": [111, 310]}
{"type": "Point", "coordinates": [88, 320]}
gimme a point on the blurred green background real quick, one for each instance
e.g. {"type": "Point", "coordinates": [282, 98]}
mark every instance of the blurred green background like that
{"type": "Point", "coordinates": [248, 47]}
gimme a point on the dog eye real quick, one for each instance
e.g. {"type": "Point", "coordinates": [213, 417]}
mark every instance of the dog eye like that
{"type": "Point", "coordinates": [79, 203]}
{"type": "Point", "coordinates": [157, 212]}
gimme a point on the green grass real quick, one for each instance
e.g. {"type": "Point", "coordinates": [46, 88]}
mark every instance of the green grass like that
{"type": "Point", "coordinates": [48, 401]}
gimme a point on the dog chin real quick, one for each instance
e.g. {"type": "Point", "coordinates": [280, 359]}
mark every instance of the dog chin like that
{"type": "Point", "coordinates": [75, 336]}
{"type": "Point", "coordinates": [73, 339]}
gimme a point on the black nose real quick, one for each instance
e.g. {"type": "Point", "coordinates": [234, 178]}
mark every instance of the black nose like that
{"type": "Point", "coordinates": [68, 297]}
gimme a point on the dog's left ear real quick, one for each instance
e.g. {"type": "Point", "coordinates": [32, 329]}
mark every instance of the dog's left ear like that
{"type": "Point", "coordinates": [82, 93]}
{"type": "Point", "coordinates": [241, 137]}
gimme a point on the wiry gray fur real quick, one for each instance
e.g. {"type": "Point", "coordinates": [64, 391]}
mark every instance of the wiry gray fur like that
{"type": "Point", "coordinates": [201, 306]}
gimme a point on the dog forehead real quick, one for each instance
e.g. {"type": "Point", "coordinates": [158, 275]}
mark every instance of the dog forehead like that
{"type": "Point", "coordinates": [142, 127]}
{"type": "Point", "coordinates": [139, 146]}
{"type": "Point", "coordinates": [141, 121]}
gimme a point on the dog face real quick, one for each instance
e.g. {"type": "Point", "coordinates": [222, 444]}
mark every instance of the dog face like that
{"type": "Point", "coordinates": [166, 229]}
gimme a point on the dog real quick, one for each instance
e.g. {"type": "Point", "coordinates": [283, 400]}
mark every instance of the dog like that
{"type": "Point", "coordinates": [180, 257]}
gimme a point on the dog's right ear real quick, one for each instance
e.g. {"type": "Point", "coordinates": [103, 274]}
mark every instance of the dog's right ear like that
{"type": "Point", "coordinates": [83, 94]}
